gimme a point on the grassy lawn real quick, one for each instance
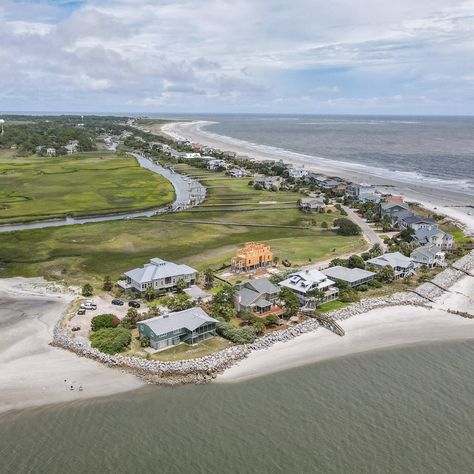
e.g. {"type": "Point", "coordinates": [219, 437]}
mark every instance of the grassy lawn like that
{"type": "Point", "coordinates": [88, 252]}
{"type": "Point", "coordinates": [36, 188]}
{"type": "Point", "coordinates": [180, 352]}
{"type": "Point", "coordinates": [331, 306]}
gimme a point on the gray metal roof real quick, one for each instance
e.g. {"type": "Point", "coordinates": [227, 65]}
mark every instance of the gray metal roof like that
{"type": "Point", "coordinates": [157, 269]}
{"type": "Point", "coordinates": [262, 285]}
{"type": "Point", "coordinates": [347, 274]}
{"type": "Point", "coordinates": [247, 296]}
{"type": "Point", "coordinates": [390, 205]}
{"type": "Point", "coordinates": [190, 319]}
{"type": "Point", "coordinates": [413, 219]}
{"type": "Point", "coordinates": [423, 235]}
{"type": "Point", "coordinates": [394, 259]}
{"type": "Point", "coordinates": [428, 250]}
{"type": "Point", "coordinates": [253, 290]}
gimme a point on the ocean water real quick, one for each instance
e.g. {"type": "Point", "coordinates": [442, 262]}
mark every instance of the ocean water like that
{"type": "Point", "coordinates": [405, 410]}
{"type": "Point", "coordinates": [438, 151]}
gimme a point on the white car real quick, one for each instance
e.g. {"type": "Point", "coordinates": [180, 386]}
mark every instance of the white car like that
{"type": "Point", "coordinates": [89, 305]}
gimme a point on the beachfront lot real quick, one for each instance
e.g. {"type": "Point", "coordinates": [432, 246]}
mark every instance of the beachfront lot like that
{"type": "Point", "coordinates": [231, 215]}
{"type": "Point", "coordinates": [37, 188]}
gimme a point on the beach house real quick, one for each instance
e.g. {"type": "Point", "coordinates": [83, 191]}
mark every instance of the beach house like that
{"type": "Point", "coordinates": [257, 296]}
{"type": "Point", "coordinates": [403, 266]}
{"type": "Point", "coordinates": [236, 173]}
{"type": "Point", "coordinates": [192, 155]}
{"type": "Point", "coordinates": [352, 276]}
{"type": "Point", "coordinates": [363, 193]}
{"type": "Point", "coordinates": [159, 275]}
{"type": "Point", "coordinates": [297, 173]}
{"type": "Point", "coordinates": [303, 283]}
{"type": "Point", "coordinates": [309, 204]}
{"type": "Point", "coordinates": [189, 326]}
{"type": "Point", "coordinates": [216, 164]}
{"type": "Point", "coordinates": [270, 183]}
{"type": "Point", "coordinates": [428, 255]}
{"type": "Point", "coordinates": [434, 235]}
{"type": "Point", "coordinates": [252, 256]}
{"type": "Point", "coordinates": [414, 222]}
{"type": "Point", "coordinates": [391, 208]}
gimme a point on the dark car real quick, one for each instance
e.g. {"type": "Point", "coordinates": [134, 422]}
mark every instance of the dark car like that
{"type": "Point", "coordinates": [117, 302]}
{"type": "Point", "coordinates": [76, 328]}
{"type": "Point", "coordinates": [134, 304]}
{"type": "Point", "coordinates": [286, 263]}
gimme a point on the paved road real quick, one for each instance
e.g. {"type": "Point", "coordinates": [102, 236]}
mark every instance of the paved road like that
{"type": "Point", "coordinates": [189, 193]}
{"type": "Point", "coordinates": [369, 233]}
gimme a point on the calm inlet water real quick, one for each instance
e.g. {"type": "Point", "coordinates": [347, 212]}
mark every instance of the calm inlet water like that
{"type": "Point", "coordinates": [398, 411]}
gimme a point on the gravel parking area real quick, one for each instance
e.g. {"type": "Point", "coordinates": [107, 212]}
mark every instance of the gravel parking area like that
{"type": "Point", "coordinates": [104, 306]}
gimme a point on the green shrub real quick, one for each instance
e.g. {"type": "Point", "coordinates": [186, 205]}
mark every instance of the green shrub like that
{"type": "Point", "coordinates": [87, 290]}
{"type": "Point", "coordinates": [375, 284]}
{"type": "Point", "coordinates": [244, 335]}
{"type": "Point", "coordinates": [111, 340]}
{"type": "Point", "coordinates": [349, 295]}
{"type": "Point", "coordinates": [102, 321]}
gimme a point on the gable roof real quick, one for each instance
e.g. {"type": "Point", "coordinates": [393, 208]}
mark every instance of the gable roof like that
{"type": "Point", "coordinates": [415, 219]}
{"type": "Point", "coordinates": [189, 319]}
{"type": "Point", "coordinates": [305, 280]}
{"type": "Point", "coordinates": [390, 205]}
{"type": "Point", "coordinates": [394, 259]}
{"type": "Point", "coordinates": [254, 290]}
{"type": "Point", "coordinates": [424, 235]}
{"type": "Point", "coordinates": [158, 268]}
{"type": "Point", "coordinates": [347, 274]}
{"type": "Point", "coordinates": [428, 251]}
{"type": "Point", "coordinates": [262, 285]}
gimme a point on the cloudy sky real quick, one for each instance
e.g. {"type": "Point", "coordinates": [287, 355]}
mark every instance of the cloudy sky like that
{"type": "Point", "coordinates": [307, 56]}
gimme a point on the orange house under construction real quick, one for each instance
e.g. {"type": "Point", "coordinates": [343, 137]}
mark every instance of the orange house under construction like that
{"type": "Point", "coordinates": [252, 256]}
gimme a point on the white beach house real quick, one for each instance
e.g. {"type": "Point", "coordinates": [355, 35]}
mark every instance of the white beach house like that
{"type": "Point", "coordinates": [304, 282]}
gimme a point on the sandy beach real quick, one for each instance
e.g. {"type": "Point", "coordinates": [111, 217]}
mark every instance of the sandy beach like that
{"type": "Point", "coordinates": [437, 199]}
{"type": "Point", "coordinates": [34, 373]}
{"type": "Point", "coordinates": [376, 330]}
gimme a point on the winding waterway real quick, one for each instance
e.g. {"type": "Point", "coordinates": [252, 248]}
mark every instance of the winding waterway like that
{"type": "Point", "coordinates": [189, 192]}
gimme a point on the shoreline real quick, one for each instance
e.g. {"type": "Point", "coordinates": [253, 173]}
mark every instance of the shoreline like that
{"type": "Point", "coordinates": [434, 198]}
{"type": "Point", "coordinates": [41, 373]}
{"type": "Point", "coordinates": [33, 372]}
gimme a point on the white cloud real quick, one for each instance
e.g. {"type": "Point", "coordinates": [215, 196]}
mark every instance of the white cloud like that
{"type": "Point", "coordinates": [223, 54]}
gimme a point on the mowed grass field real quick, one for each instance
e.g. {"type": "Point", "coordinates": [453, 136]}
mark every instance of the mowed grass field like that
{"type": "Point", "coordinates": [88, 252]}
{"type": "Point", "coordinates": [37, 188]}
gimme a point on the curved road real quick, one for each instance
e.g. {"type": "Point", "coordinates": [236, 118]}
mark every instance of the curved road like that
{"type": "Point", "coordinates": [369, 233]}
{"type": "Point", "coordinates": [189, 192]}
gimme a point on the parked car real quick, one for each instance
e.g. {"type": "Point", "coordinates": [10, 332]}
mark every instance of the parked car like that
{"type": "Point", "coordinates": [89, 305]}
{"type": "Point", "coordinates": [76, 328]}
{"type": "Point", "coordinates": [117, 302]}
{"type": "Point", "coordinates": [81, 311]}
{"type": "Point", "coordinates": [286, 263]}
{"type": "Point", "coordinates": [134, 304]}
